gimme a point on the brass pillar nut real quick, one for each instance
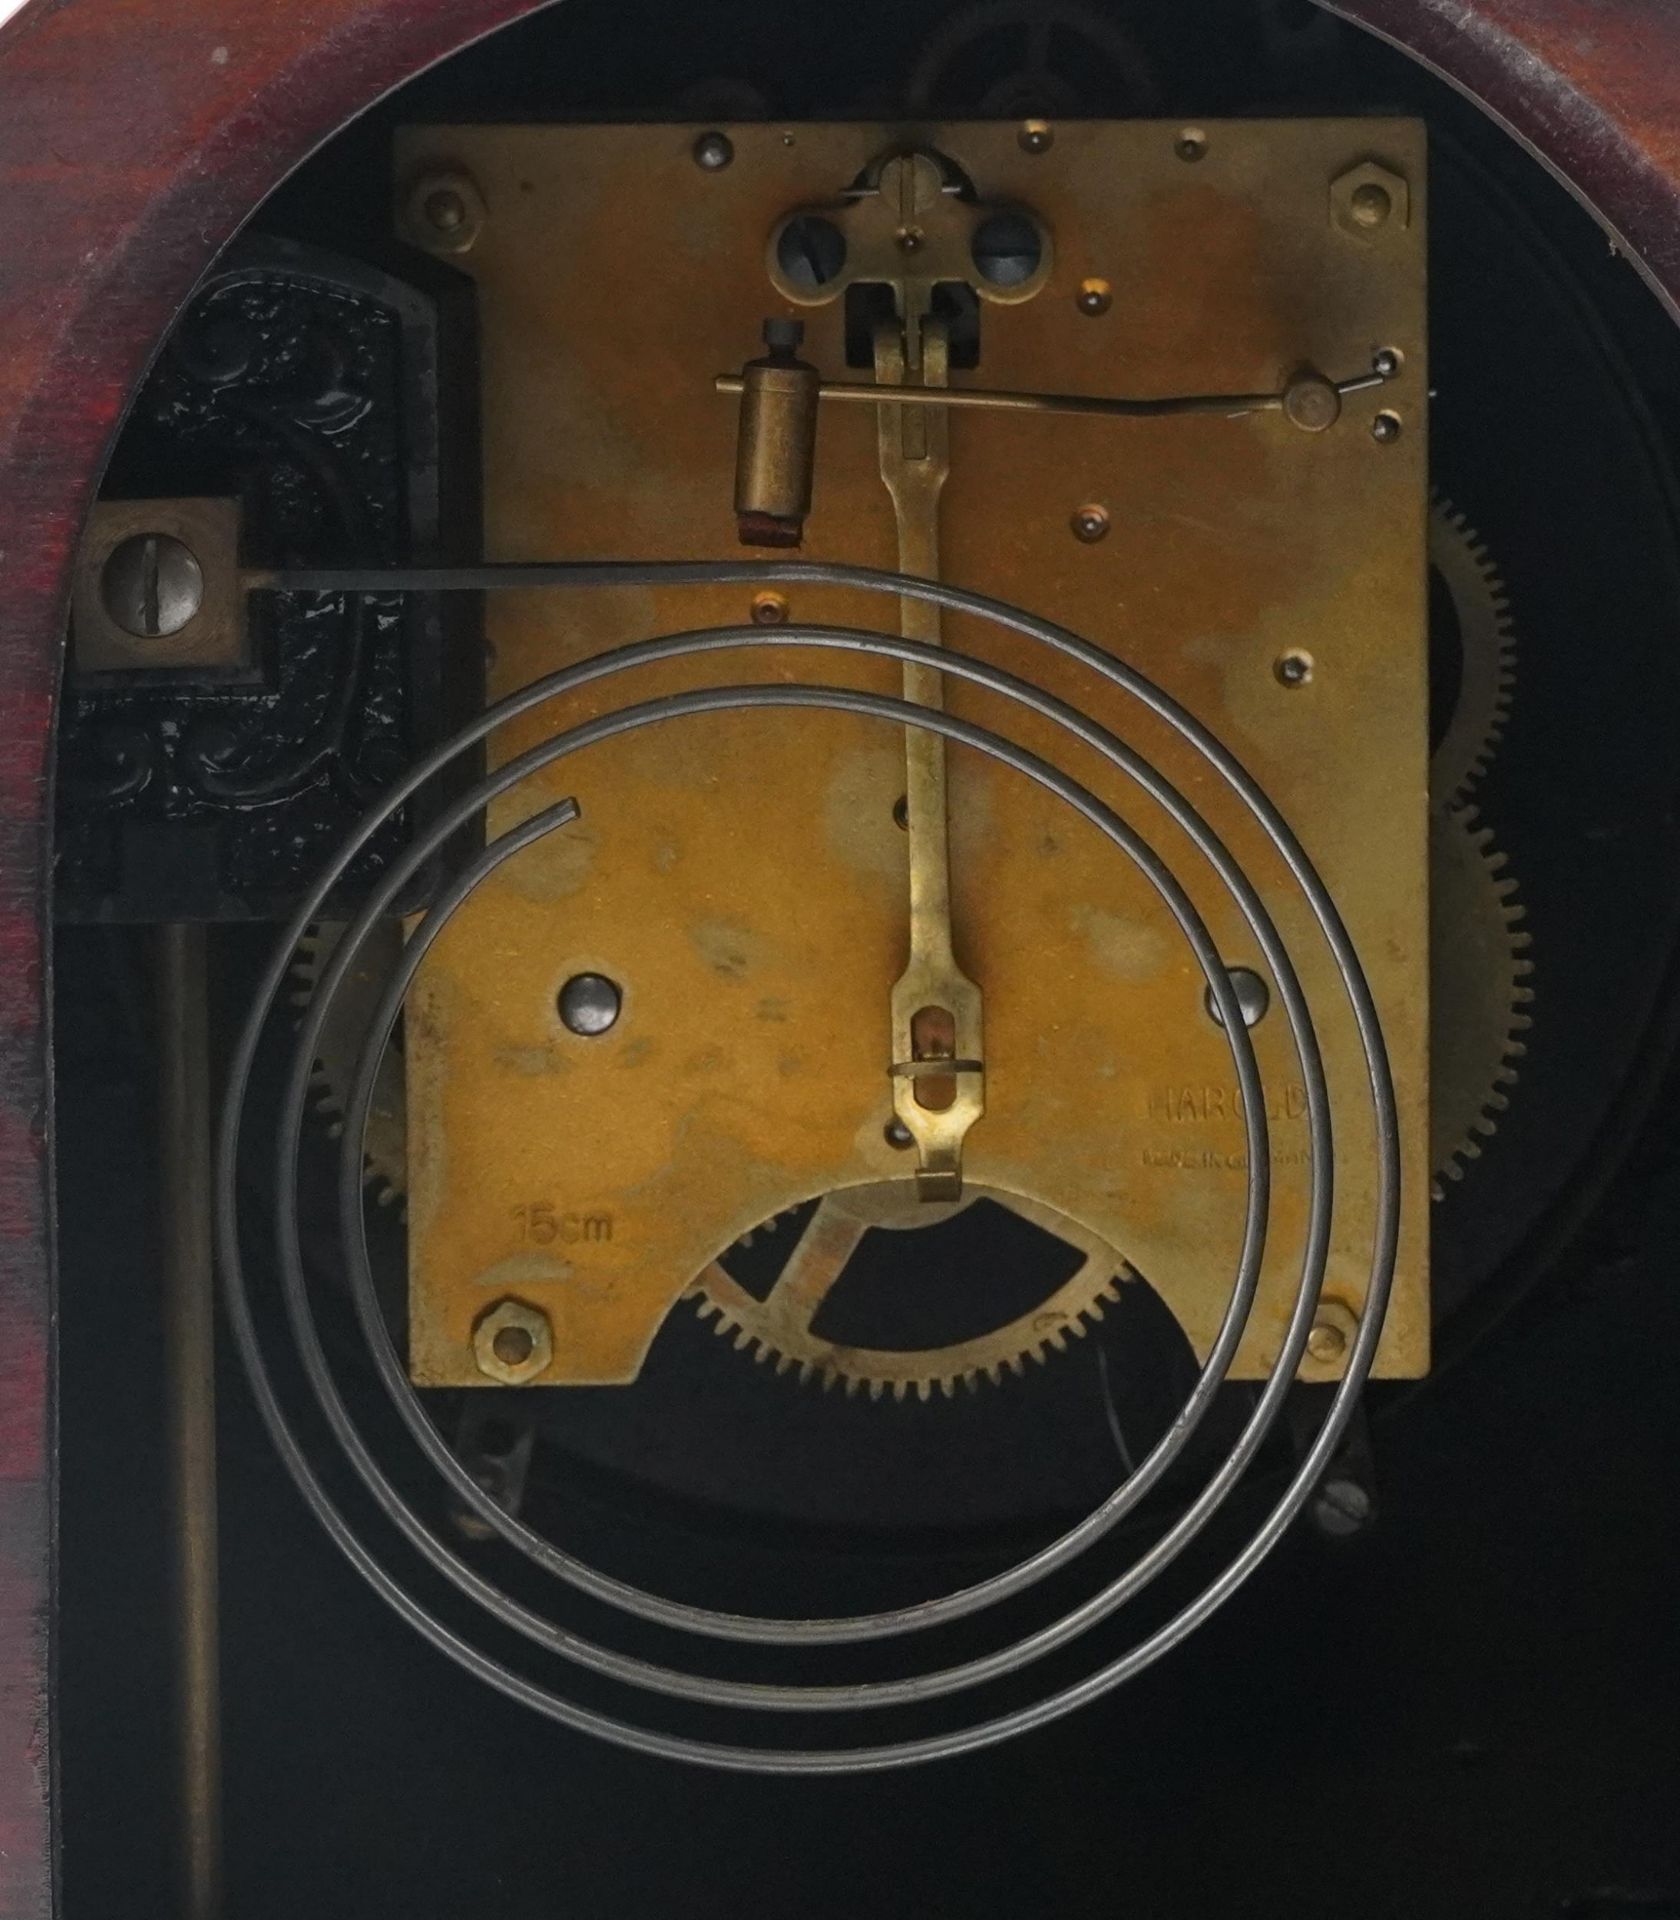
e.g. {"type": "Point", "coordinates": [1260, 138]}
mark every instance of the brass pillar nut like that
{"type": "Point", "coordinates": [512, 1342]}
{"type": "Point", "coordinates": [1329, 1343]}
{"type": "Point", "coordinates": [1369, 200]}
{"type": "Point", "coordinates": [443, 211]}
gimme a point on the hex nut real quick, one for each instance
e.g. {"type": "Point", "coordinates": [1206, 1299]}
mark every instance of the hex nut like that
{"type": "Point", "coordinates": [1330, 1342]}
{"type": "Point", "coordinates": [1368, 201]}
{"type": "Point", "coordinates": [513, 1342]}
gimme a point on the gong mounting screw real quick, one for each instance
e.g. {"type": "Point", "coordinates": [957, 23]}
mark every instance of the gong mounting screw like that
{"type": "Point", "coordinates": [713, 152]}
{"type": "Point", "coordinates": [1090, 523]}
{"type": "Point", "coordinates": [152, 585]}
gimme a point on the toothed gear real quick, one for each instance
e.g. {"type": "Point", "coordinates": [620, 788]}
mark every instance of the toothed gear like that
{"type": "Point", "coordinates": [764, 1227]}
{"type": "Point", "coordinates": [1479, 974]}
{"type": "Point", "coordinates": [777, 1330]}
{"type": "Point", "coordinates": [1479, 988]}
{"type": "Point", "coordinates": [385, 1155]}
{"type": "Point", "coordinates": [1487, 638]}
{"type": "Point", "coordinates": [1065, 51]}
{"type": "Point", "coordinates": [1479, 993]}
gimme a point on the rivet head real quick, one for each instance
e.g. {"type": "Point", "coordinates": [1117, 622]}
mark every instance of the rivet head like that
{"type": "Point", "coordinates": [1326, 1343]}
{"type": "Point", "coordinates": [1090, 523]}
{"type": "Point", "coordinates": [445, 212]}
{"type": "Point", "coordinates": [152, 585]}
{"type": "Point", "coordinates": [445, 209]}
{"type": "Point", "coordinates": [1253, 996]}
{"type": "Point", "coordinates": [1036, 136]}
{"type": "Point", "coordinates": [1312, 403]}
{"type": "Point", "coordinates": [513, 1342]}
{"type": "Point", "coordinates": [769, 609]}
{"type": "Point", "coordinates": [590, 1004]}
{"type": "Point", "coordinates": [713, 152]}
{"type": "Point", "coordinates": [1094, 297]}
{"type": "Point", "coordinates": [1329, 1341]}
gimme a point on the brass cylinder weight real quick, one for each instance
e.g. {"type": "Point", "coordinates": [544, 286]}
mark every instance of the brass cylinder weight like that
{"type": "Point", "coordinates": [777, 447]}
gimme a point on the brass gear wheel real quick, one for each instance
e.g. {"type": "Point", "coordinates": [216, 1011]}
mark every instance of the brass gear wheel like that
{"type": "Point", "coordinates": [386, 1142]}
{"type": "Point", "coordinates": [1479, 976]}
{"type": "Point", "coordinates": [1479, 992]}
{"type": "Point", "coordinates": [1059, 46]}
{"type": "Point", "coordinates": [1488, 654]}
{"type": "Point", "coordinates": [778, 1329]}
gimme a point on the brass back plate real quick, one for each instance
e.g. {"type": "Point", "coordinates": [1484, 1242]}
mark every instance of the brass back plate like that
{"type": "Point", "coordinates": [742, 876]}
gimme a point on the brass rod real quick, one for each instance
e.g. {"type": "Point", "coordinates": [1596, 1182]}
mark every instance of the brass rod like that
{"type": "Point", "coordinates": [997, 401]}
{"type": "Point", "coordinates": [915, 464]}
{"type": "Point", "coordinates": [189, 1314]}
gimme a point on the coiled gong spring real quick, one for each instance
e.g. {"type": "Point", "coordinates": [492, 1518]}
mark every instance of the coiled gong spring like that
{"type": "Point", "coordinates": [782, 1724]}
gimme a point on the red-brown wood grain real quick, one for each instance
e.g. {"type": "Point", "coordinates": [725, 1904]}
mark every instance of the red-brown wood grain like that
{"type": "Point", "coordinates": [1591, 86]}
{"type": "Point", "coordinates": [135, 137]}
